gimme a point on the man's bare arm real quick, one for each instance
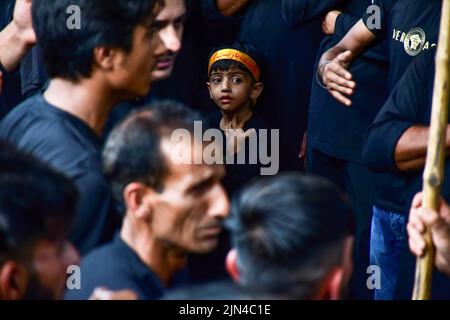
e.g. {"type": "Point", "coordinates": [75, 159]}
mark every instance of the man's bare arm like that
{"type": "Point", "coordinates": [231, 7]}
{"type": "Point", "coordinates": [334, 63]}
{"type": "Point", "coordinates": [18, 37]}
{"type": "Point", "coordinates": [411, 149]}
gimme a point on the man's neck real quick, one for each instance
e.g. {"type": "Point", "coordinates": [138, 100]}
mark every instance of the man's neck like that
{"type": "Point", "coordinates": [89, 100]}
{"type": "Point", "coordinates": [161, 259]}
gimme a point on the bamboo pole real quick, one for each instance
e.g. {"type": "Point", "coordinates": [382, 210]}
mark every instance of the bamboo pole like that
{"type": "Point", "coordinates": [434, 167]}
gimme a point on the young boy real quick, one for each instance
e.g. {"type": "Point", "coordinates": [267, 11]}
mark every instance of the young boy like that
{"type": "Point", "coordinates": [235, 85]}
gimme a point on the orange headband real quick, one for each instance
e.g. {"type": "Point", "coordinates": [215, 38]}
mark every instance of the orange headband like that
{"type": "Point", "coordinates": [232, 54]}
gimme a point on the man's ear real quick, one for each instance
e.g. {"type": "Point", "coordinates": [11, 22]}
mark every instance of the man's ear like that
{"type": "Point", "coordinates": [139, 199]}
{"type": "Point", "coordinates": [231, 265]}
{"type": "Point", "coordinates": [208, 84]}
{"type": "Point", "coordinates": [257, 89]}
{"type": "Point", "coordinates": [104, 57]}
{"type": "Point", "coordinates": [13, 281]}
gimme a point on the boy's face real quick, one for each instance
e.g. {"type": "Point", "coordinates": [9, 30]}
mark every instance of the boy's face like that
{"type": "Point", "coordinates": [233, 90]}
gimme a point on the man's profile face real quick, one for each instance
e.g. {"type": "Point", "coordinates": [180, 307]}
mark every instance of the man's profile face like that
{"type": "Point", "coordinates": [170, 26]}
{"type": "Point", "coordinates": [189, 211]}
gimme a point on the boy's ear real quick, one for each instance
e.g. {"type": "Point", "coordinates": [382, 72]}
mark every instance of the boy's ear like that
{"type": "Point", "coordinates": [257, 89]}
{"type": "Point", "coordinates": [208, 84]}
{"type": "Point", "coordinates": [139, 200]}
{"type": "Point", "coordinates": [13, 281]}
{"type": "Point", "coordinates": [231, 265]}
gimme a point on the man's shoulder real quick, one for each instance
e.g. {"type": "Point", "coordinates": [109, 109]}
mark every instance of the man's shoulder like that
{"type": "Point", "coordinates": [49, 135]}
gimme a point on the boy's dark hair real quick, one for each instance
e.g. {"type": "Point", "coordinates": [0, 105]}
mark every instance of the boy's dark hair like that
{"type": "Point", "coordinates": [67, 53]}
{"type": "Point", "coordinates": [225, 65]}
{"type": "Point", "coordinates": [289, 232]}
{"type": "Point", "coordinates": [133, 150]}
{"type": "Point", "coordinates": [36, 203]}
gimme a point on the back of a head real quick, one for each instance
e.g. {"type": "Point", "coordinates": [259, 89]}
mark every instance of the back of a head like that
{"type": "Point", "coordinates": [36, 203]}
{"type": "Point", "coordinates": [68, 31]}
{"type": "Point", "coordinates": [133, 152]}
{"type": "Point", "coordinates": [289, 232]}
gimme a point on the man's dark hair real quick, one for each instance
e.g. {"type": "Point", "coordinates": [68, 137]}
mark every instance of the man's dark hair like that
{"type": "Point", "coordinates": [36, 203]}
{"type": "Point", "coordinates": [289, 232]}
{"type": "Point", "coordinates": [227, 64]}
{"type": "Point", "coordinates": [133, 150]}
{"type": "Point", "coordinates": [68, 53]}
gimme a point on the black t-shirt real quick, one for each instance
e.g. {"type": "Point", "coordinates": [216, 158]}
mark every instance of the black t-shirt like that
{"type": "Point", "coordinates": [237, 175]}
{"type": "Point", "coordinates": [409, 105]}
{"type": "Point", "coordinates": [408, 36]}
{"type": "Point", "coordinates": [287, 34]}
{"type": "Point", "coordinates": [333, 128]}
{"type": "Point", "coordinates": [70, 146]}
{"type": "Point", "coordinates": [410, 28]}
{"type": "Point", "coordinates": [117, 267]}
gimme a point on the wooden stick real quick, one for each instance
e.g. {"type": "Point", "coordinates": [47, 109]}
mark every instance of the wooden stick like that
{"type": "Point", "coordinates": [434, 168]}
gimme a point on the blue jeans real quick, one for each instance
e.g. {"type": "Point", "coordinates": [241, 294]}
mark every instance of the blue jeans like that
{"type": "Point", "coordinates": [386, 246]}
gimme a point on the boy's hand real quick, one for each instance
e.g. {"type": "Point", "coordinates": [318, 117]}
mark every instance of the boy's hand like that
{"type": "Point", "coordinates": [23, 22]}
{"type": "Point", "coordinates": [337, 79]}
{"type": "Point", "coordinates": [421, 218]}
{"type": "Point", "coordinates": [329, 22]}
{"type": "Point", "coordinates": [236, 136]}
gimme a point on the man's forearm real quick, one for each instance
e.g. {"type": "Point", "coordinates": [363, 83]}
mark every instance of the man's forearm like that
{"type": "Point", "coordinates": [411, 149]}
{"type": "Point", "coordinates": [12, 47]}
{"type": "Point", "coordinates": [231, 7]}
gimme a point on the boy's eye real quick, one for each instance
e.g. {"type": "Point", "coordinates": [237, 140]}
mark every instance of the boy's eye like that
{"type": "Point", "coordinates": [237, 80]}
{"type": "Point", "coordinates": [216, 80]}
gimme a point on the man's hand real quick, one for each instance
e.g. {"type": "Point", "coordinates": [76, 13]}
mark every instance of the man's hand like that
{"type": "Point", "coordinates": [23, 22]}
{"type": "Point", "coordinates": [329, 22]}
{"type": "Point", "coordinates": [421, 218]}
{"type": "Point", "coordinates": [105, 294]}
{"type": "Point", "coordinates": [337, 79]}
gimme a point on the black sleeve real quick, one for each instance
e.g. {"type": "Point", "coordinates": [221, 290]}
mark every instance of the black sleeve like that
{"type": "Point", "coordinates": [385, 7]}
{"type": "Point", "coordinates": [344, 23]}
{"type": "Point", "coordinates": [407, 106]}
{"type": "Point", "coordinates": [298, 12]}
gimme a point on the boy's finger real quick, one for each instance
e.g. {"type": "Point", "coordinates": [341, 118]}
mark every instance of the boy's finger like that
{"type": "Point", "coordinates": [417, 201]}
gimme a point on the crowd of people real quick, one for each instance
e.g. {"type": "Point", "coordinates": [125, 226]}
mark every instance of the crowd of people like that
{"type": "Point", "coordinates": [217, 149]}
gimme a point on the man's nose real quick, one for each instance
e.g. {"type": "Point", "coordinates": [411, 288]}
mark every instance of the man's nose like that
{"type": "Point", "coordinates": [171, 39]}
{"type": "Point", "coordinates": [220, 204]}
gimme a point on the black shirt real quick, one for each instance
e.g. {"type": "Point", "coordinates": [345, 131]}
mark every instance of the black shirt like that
{"type": "Point", "coordinates": [410, 28]}
{"type": "Point", "coordinates": [333, 128]}
{"type": "Point", "coordinates": [117, 267]}
{"type": "Point", "coordinates": [70, 146]}
{"type": "Point", "coordinates": [237, 175]}
{"type": "Point", "coordinates": [421, 24]}
{"type": "Point", "coordinates": [409, 105]}
{"type": "Point", "coordinates": [287, 33]}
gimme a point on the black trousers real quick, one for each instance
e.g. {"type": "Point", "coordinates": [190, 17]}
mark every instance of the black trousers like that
{"type": "Point", "coordinates": [356, 181]}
